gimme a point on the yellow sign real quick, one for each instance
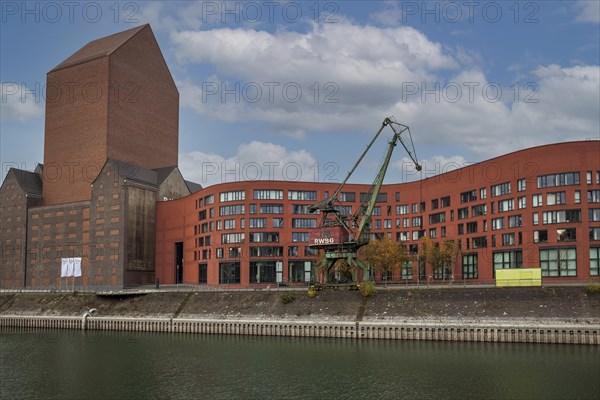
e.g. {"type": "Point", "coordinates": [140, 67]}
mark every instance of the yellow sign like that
{"type": "Point", "coordinates": [519, 277]}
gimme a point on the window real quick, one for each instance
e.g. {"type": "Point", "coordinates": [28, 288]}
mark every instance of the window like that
{"type": "Point", "coordinates": [402, 209]}
{"type": "Point", "coordinates": [566, 235]}
{"type": "Point", "coordinates": [577, 196]}
{"type": "Point", "coordinates": [508, 259]}
{"type": "Point", "coordinates": [415, 208]}
{"type": "Point", "coordinates": [514, 221]}
{"type": "Point", "coordinates": [264, 237]}
{"type": "Point", "coordinates": [252, 208]}
{"type": "Point", "coordinates": [377, 224]}
{"type": "Point", "coordinates": [483, 193]}
{"type": "Point", "coordinates": [555, 217]}
{"type": "Point", "coordinates": [262, 271]}
{"type": "Point", "coordinates": [310, 252]}
{"type": "Point", "coordinates": [500, 189]}
{"type": "Point", "coordinates": [594, 214]}
{"type": "Point", "coordinates": [506, 205]}
{"type": "Point", "coordinates": [552, 180]}
{"type": "Point", "coordinates": [588, 177]}
{"type": "Point", "coordinates": [202, 215]}
{"type": "Point", "coordinates": [445, 201]}
{"type": "Point", "coordinates": [407, 270]}
{"type": "Point", "coordinates": [258, 222]}
{"type": "Point", "coordinates": [461, 229]}
{"type": "Point", "coordinates": [593, 196]}
{"type": "Point", "coordinates": [266, 251]}
{"type": "Point", "coordinates": [595, 261]}
{"type": "Point", "coordinates": [472, 227]}
{"type": "Point", "coordinates": [479, 242]}
{"type": "Point", "coordinates": [300, 209]}
{"type": "Point", "coordinates": [210, 199]}
{"type": "Point", "coordinates": [432, 233]}
{"type": "Point", "coordinates": [497, 223]}
{"type": "Point", "coordinates": [232, 196]}
{"type": "Point", "coordinates": [405, 222]}
{"type": "Point", "coordinates": [535, 218]}
{"type": "Point", "coordinates": [479, 210]}
{"type": "Point", "coordinates": [594, 233]}
{"type": "Point", "coordinates": [271, 208]}
{"type": "Point", "coordinates": [555, 198]}
{"type": "Point", "coordinates": [387, 224]}
{"type": "Point", "coordinates": [417, 221]}
{"type": "Point", "coordinates": [521, 185]}
{"type": "Point", "coordinates": [232, 238]}
{"type": "Point", "coordinates": [229, 224]}
{"type": "Point", "coordinates": [416, 235]}
{"type": "Point", "coordinates": [537, 200]}
{"type": "Point", "coordinates": [262, 194]}
{"type": "Point", "coordinates": [302, 195]}
{"type": "Point", "coordinates": [397, 197]}
{"type": "Point", "coordinates": [402, 236]}
{"type": "Point", "coordinates": [231, 210]}
{"type": "Point", "coordinates": [292, 251]}
{"type": "Point", "coordinates": [435, 204]}
{"type": "Point", "coordinates": [381, 197]}
{"type": "Point", "coordinates": [443, 231]}
{"type": "Point", "coordinates": [277, 222]}
{"type": "Point", "coordinates": [300, 237]}
{"type": "Point", "coordinates": [522, 202]}
{"type": "Point", "coordinates": [469, 266]}
{"type": "Point", "coordinates": [235, 252]}
{"type": "Point", "coordinates": [559, 262]}
{"type": "Point", "coordinates": [508, 239]}
{"type": "Point", "coordinates": [540, 236]}
{"type": "Point", "coordinates": [220, 252]}
{"type": "Point", "coordinates": [463, 213]}
{"type": "Point", "coordinates": [229, 272]}
{"type": "Point", "coordinates": [304, 223]}
{"type": "Point", "coordinates": [202, 273]}
{"type": "Point", "coordinates": [437, 218]}
{"type": "Point", "coordinates": [299, 271]}
{"type": "Point", "coordinates": [377, 210]}
{"type": "Point", "coordinates": [466, 197]}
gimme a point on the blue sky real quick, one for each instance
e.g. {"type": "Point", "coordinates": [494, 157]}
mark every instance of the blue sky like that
{"type": "Point", "coordinates": [310, 82]}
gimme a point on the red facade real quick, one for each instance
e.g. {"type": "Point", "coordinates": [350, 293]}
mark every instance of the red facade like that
{"type": "Point", "coordinates": [536, 207]}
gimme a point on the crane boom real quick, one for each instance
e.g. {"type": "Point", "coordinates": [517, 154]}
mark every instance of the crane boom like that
{"type": "Point", "coordinates": [341, 235]}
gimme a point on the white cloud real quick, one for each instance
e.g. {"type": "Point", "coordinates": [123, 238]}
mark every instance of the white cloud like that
{"type": "Point", "coordinates": [252, 161]}
{"type": "Point", "coordinates": [17, 102]}
{"type": "Point", "coordinates": [372, 70]}
{"type": "Point", "coordinates": [436, 165]}
{"type": "Point", "coordinates": [588, 11]}
{"type": "Point", "coordinates": [328, 78]}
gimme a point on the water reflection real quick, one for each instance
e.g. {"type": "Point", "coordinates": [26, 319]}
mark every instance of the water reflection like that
{"type": "Point", "coordinates": [74, 364]}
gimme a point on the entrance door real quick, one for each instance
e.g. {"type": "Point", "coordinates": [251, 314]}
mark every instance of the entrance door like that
{"type": "Point", "coordinates": [179, 262]}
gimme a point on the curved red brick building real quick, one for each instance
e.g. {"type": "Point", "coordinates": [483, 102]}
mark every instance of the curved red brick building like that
{"type": "Point", "coordinates": [538, 207]}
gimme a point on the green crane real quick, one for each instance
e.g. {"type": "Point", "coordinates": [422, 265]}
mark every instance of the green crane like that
{"type": "Point", "coordinates": [341, 234]}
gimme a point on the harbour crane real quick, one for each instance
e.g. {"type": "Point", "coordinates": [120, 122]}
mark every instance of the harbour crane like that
{"type": "Point", "coordinates": [340, 234]}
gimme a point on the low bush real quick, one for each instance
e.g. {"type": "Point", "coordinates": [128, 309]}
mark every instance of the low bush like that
{"type": "Point", "coordinates": [592, 287]}
{"type": "Point", "coordinates": [287, 298]}
{"type": "Point", "coordinates": [367, 288]}
{"type": "Point", "coordinates": [311, 292]}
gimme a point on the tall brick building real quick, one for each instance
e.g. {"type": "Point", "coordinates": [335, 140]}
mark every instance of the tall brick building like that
{"type": "Point", "coordinates": [110, 153]}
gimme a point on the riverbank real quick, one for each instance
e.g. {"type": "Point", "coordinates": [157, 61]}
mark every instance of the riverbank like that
{"type": "Point", "coordinates": [546, 315]}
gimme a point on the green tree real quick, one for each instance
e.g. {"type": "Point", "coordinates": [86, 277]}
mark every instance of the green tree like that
{"type": "Point", "coordinates": [384, 256]}
{"type": "Point", "coordinates": [441, 257]}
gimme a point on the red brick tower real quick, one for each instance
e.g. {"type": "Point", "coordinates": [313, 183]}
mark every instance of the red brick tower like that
{"type": "Point", "coordinates": [113, 98]}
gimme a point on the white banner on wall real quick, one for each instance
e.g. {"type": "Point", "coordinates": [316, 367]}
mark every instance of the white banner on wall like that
{"type": "Point", "coordinates": [70, 267]}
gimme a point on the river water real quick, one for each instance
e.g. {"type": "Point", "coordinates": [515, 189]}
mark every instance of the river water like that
{"type": "Point", "coordinates": [64, 364]}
